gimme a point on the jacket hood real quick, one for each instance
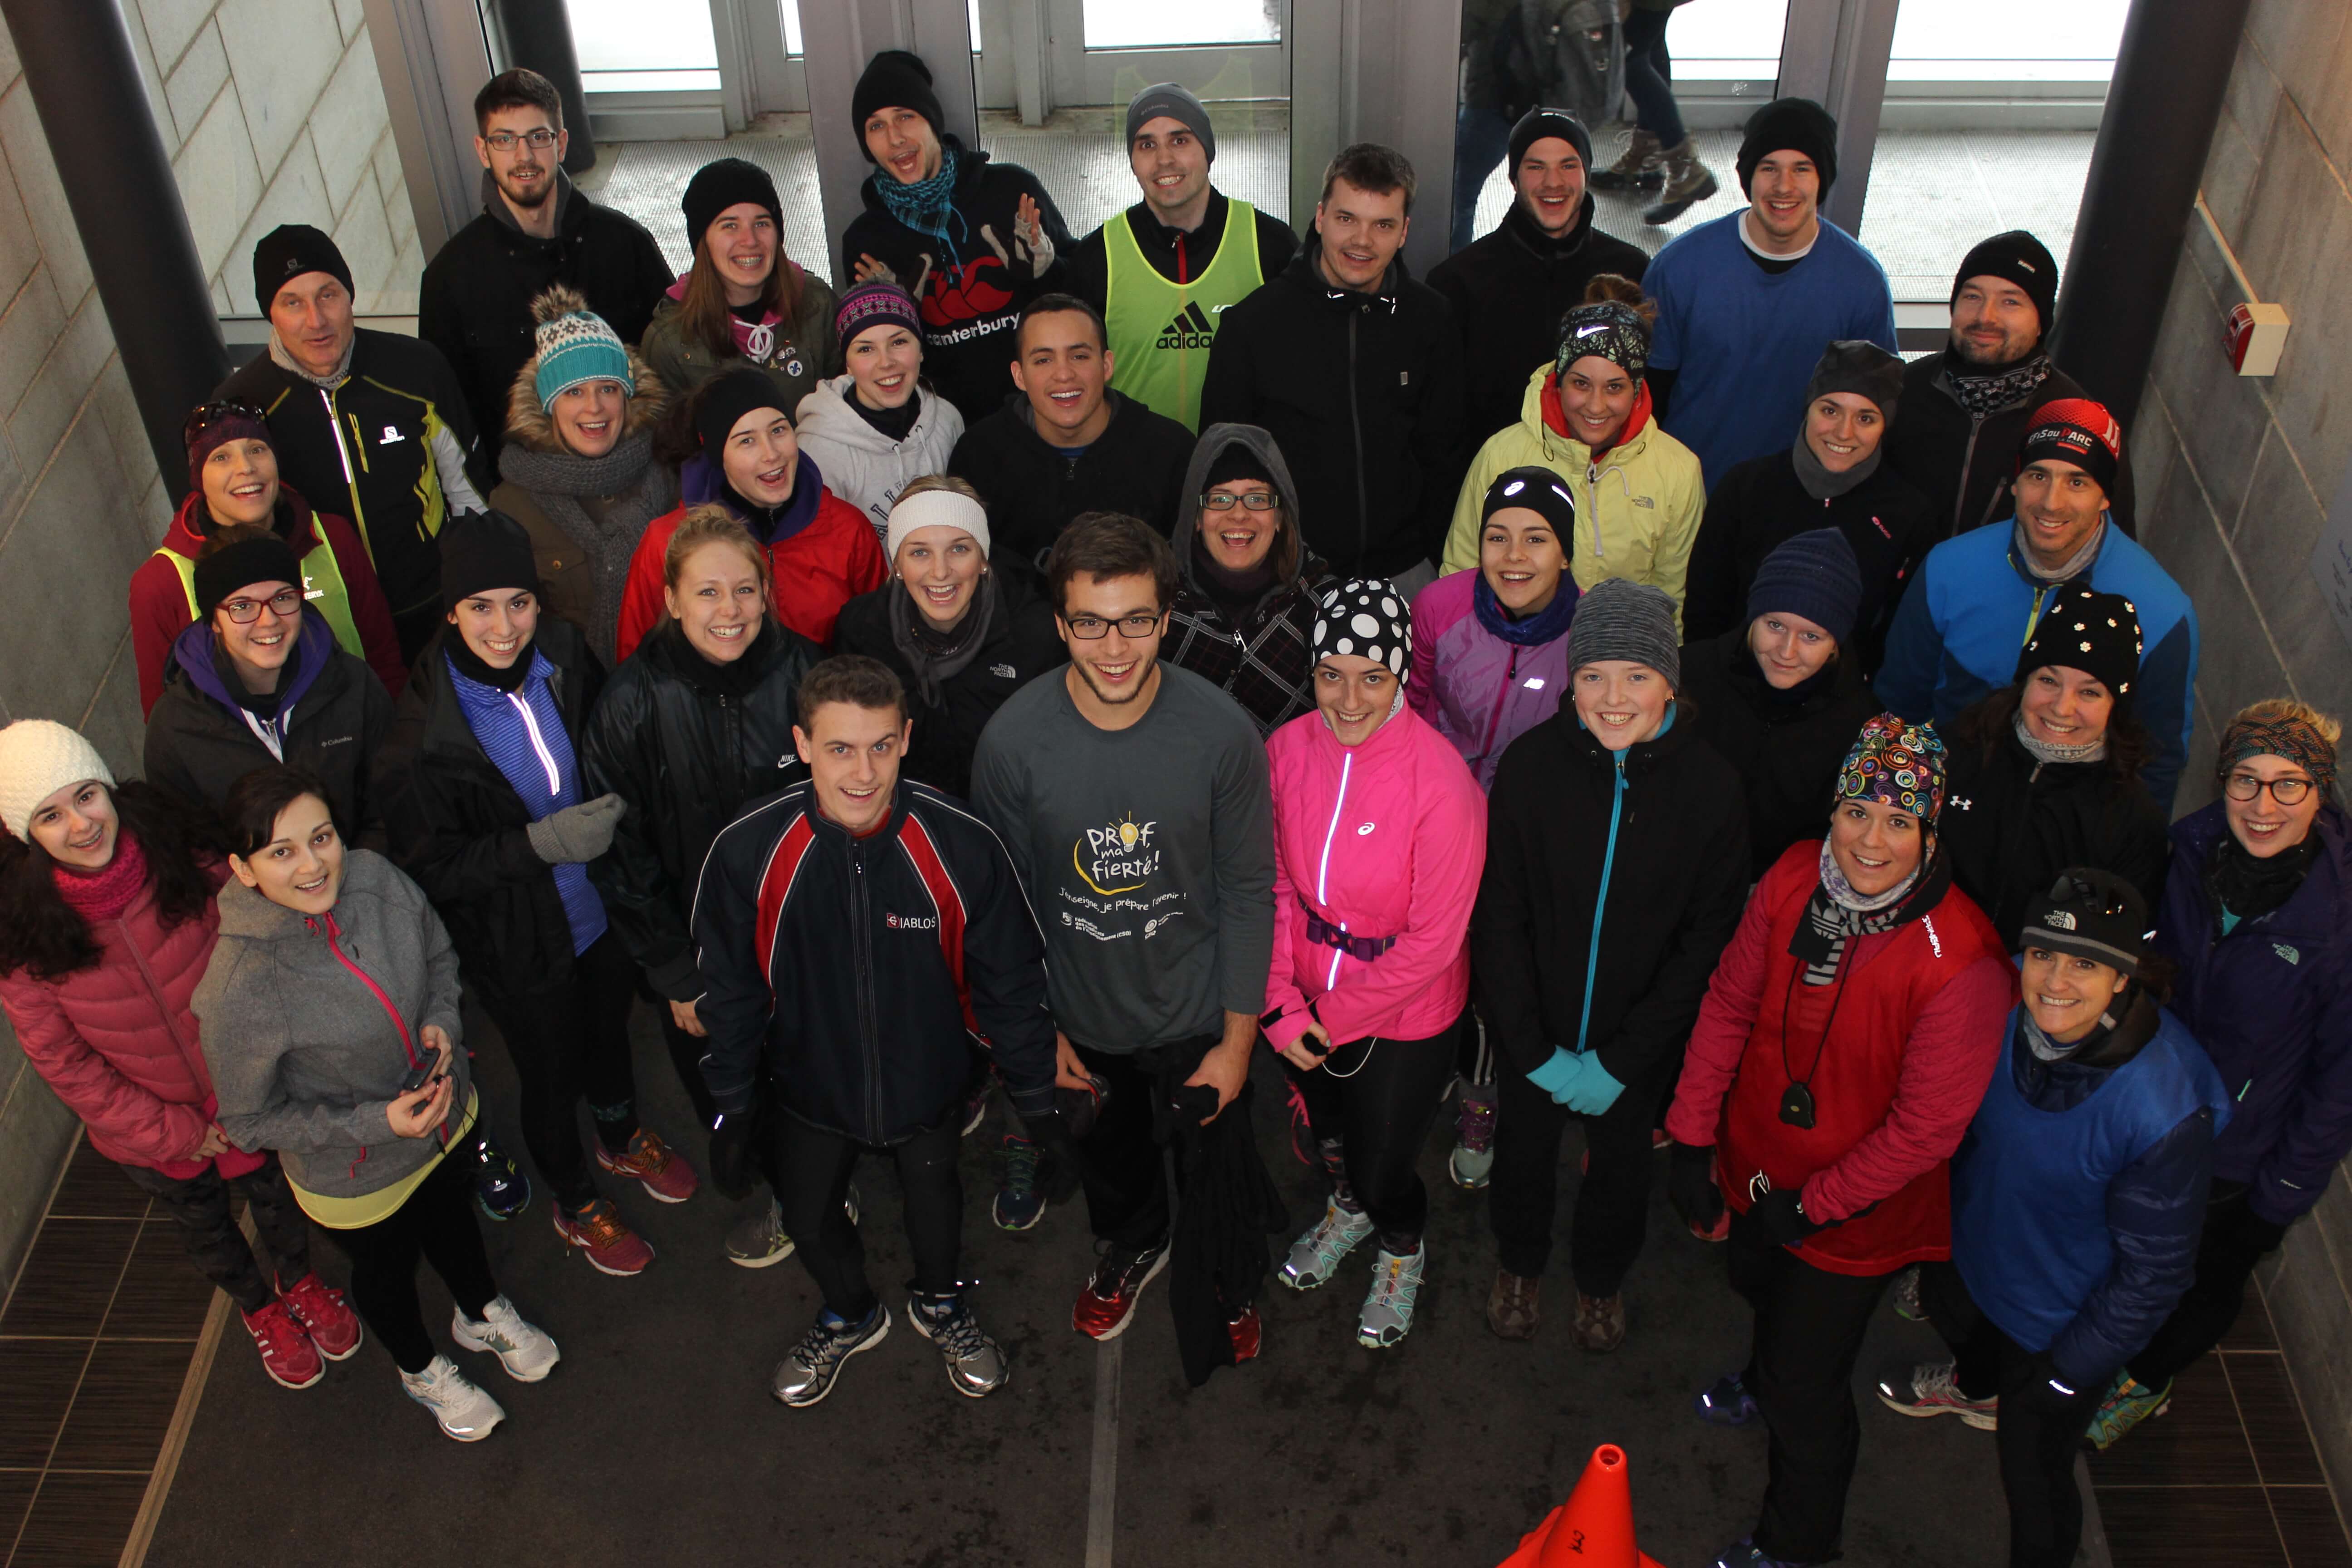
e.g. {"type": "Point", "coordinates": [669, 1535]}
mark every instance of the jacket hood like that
{"type": "Point", "coordinates": [1291, 550]}
{"type": "Point", "coordinates": [826, 413]}
{"type": "Point", "coordinates": [1541, 411]}
{"type": "Point", "coordinates": [533, 427]}
{"type": "Point", "coordinates": [193, 652]}
{"type": "Point", "coordinates": [247, 917]}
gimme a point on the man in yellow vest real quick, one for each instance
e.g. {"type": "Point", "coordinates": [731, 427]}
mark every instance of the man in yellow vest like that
{"type": "Point", "coordinates": [1163, 271]}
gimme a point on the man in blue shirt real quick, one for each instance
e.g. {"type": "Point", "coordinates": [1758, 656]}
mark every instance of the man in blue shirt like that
{"type": "Point", "coordinates": [1747, 301]}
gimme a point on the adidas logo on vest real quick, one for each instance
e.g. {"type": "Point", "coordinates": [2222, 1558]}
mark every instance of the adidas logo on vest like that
{"type": "Point", "coordinates": [1191, 328]}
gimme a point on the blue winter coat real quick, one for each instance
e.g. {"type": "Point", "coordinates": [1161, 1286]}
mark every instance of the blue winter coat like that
{"type": "Point", "coordinates": [2272, 1005]}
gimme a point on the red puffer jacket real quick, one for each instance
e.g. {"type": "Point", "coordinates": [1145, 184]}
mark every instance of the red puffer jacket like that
{"type": "Point", "coordinates": [118, 1042]}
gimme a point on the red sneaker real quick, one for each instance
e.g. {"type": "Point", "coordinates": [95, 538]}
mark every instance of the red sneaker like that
{"type": "Point", "coordinates": [610, 1247]}
{"type": "Point", "coordinates": [324, 1314]}
{"type": "Point", "coordinates": [286, 1352]}
{"type": "Point", "coordinates": [1248, 1334]}
{"type": "Point", "coordinates": [1106, 1302]}
{"type": "Point", "coordinates": [649, 1160]}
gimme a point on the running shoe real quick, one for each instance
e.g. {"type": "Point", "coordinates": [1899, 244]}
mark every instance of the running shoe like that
{"type": "Point", "coordinates": [610, 1247]}
{"type": "Point", "coordinates": [1316, 1257]}
{"type": "Point", "coordinates": [501, 1189]}
{"type": "Point", "coordinates": [287, 1353]}
{"type": "Point", "coordinates": [527, 1352]}
{"type": "Point", "coordinates": [1472, 1164]}
{"type": "Point", "coordinates": [1600, 1322]}
{"type": "Point", "coordinates": [1727, 1403]}
{"type": "Point", "coordinates": [976, 1364]}
{"type": "Point", "coordinates": [464, 1411]}
{"type": "Point", "coordinates": [1246, 1330]}
{"type": "Point", "coordinates": [1932, 1388]}
{"type": "Point", "coordinates": [808, 1372]}
{"type": "Point", "coordinates": [1106, 1302]}
{"type": "Point", "coordinates": [1906, 1297]}
{"type": "Point", "coordinates": [325, 1315]}
{"type": "Point", "coordinates": [2127, 1405]}
{"type": "Point", "coordinates": [654, 1163]}
{"type": "Point", "coordinates": [975, 1106]}
{"type": "Point", "coordinates": [1387, 1314]}
{"type": "Point", "coordinates": [1746, 1553]}
{"type": "Point", "coordinates": [758, 1239]}
{"type": "Point", "coordinates": [1020, 1195]}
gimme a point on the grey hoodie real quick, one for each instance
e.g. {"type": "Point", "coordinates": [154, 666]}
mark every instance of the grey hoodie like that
{"type": "Point", "coordinates": [1212, 444]}
{"type": "Point", "coordinates": [862, 466]}
{"type": "Point", "coordinates": [305, 1058]}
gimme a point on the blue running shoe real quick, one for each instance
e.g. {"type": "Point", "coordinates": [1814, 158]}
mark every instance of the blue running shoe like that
{"type": "Point", "coordinates": [1746, 1553]}
{"type": "Point", "coordinates": [1020, 1195]}
{"type": "Point", "coordinates": [1727, 1403]}
{"type": "Point", "coordinates": [501, 1189]}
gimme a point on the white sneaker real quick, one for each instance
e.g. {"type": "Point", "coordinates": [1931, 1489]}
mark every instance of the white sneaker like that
{"type": "Point", "coordinates": [528, 1354]}
{"type": "Point", "coordinates": [465, 1412]}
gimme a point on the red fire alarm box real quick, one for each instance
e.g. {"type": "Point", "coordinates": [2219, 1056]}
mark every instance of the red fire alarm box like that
{"type": "Point", "coordinates": [2257, 338]}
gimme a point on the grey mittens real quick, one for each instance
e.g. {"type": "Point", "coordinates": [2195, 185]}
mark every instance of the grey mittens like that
{"type": "Point", "coordinates": [578, 833]}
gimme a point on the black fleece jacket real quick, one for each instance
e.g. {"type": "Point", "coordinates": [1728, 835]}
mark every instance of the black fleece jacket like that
{"type": "Point", "coordinates": [1034, 489]}
{"type": "Point", "coordinates": [1964, 464]}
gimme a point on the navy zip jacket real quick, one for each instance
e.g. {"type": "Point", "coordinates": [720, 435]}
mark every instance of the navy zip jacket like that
{"type": "Point", "coordinates": [862, 969]}
{"type": "Point", "coordinates": [2272, 1005]}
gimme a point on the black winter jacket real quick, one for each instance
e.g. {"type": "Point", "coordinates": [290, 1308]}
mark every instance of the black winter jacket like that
{"type": "Point", "coordinates": [1786, 753]}
{"type": "Point", "coordinates": [1022, 644]}
{"type": "Point", "coordinates": [462, 834]}
{"type": "Point", "coordinates": [1033, 489]}
{"type": "Point", "coordinates": [1363, 393]}
{"type": "Point", "coordinates": [1676, 846]}
{"type": "Point", "coordinates": [2011, 824]}
{"type": "Point", "coordinates": [1760, 504]}
{"type": "Point", "coordinates": [861, 971]}
{"type": "Point", "coordinates": [686, 743]}
{"type": "Point", "coordinates": [1963, 465]}
{"type": "Point", "coordinates": [1509, 292]}
{"type": "Point", "coordinates": [474, 302]}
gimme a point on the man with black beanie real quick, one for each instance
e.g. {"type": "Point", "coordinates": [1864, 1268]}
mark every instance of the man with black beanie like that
{"type": "Point", "coordinates": [1510, 289]}
{"type": "Point", "coordinates": [1746, 301]}
{"type": "Point", "coordinates": [1965, 408]}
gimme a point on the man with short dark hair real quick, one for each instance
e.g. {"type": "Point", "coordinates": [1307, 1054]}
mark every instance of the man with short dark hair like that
{"type": "Point", "coordinates": [1355, 369]}
{"type": "Point", "coordinates": [1164, 271]}
{"type": "Point", "coordinates": [536, 230]}
{"type": "Point", "coordinates": [1956, 428]}
{"type": "Point", "coordinates": [1509, 290]}
{"type": "Point", "coordinates": [1135, 800]}
{"type": "Point", "coordinates": [1068, 443]}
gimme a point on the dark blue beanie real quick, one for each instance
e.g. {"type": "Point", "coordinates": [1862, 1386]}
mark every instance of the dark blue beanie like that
{"type": "Point", "coordinates": [1812, 574]}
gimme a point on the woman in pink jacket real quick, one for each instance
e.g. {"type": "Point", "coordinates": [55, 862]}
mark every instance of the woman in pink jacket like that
{"type": "Point", "coordinates": [1378, 834]}
{"type": "Point", "coordinates": [107, 922]}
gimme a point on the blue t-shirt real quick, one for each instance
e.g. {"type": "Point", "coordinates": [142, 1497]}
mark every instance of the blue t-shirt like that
{"type": "Point", "coordinates": [1742, 341]}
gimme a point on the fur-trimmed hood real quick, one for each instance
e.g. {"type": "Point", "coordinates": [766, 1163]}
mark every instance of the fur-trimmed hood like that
{"type": "Point", "coordinates": [529, 425]}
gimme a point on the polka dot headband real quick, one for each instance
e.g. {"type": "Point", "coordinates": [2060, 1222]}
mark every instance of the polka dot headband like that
{"type": "Point", "coordinates": [1368, 617]}
{"type": "Point", "coordinates": [1896, 763]}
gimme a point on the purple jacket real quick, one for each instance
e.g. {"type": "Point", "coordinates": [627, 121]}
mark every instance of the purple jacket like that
{"type": "Point", "coordinates": [1479, 692]}
{"type": "Point", "coordinates": [2272, 1005]}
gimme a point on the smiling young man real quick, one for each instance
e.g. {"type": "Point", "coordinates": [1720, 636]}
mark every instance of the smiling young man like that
{"type": "Point", "coordinates": [1746, 301]}
{"type": "Point", "coordinates": [1355, 369]}
{"type": "Point", "coordinates": [1164, 271]}
{"type": "Point", "coordinates": [535, 230]}
{"type": "Point", "coordinates": [1069, 443]}
{"type": "Point", "coordinates": [1977, 597]}
{"type": "Point", "coordinates": [1135, 800]}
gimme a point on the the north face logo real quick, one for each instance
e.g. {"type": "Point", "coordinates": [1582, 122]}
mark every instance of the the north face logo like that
{"type": "Point", "coordinates": [2058, 919]}
{"type": "Point", "coordinates": [1191, 328]}
{"type": "Point", "coordinates": [2289, 955]}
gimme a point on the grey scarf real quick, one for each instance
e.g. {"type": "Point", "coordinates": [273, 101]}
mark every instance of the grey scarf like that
{"type": "Point", "coordinates": [2043, 751]}
{"type": "Point", "coordinates": [634, 490]}
{"type": "Point", "coordinates": [1819, 482]}
{"type": "Point", "coordinates": [284, 361]}
{"type": "Point", "coordinates": [937, 659]}
{"type": "Point", "coordinates": [2073, 567]}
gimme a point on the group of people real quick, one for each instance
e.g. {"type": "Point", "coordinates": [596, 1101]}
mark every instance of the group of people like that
{"type": "Point", "coordinates": [1066, 667]}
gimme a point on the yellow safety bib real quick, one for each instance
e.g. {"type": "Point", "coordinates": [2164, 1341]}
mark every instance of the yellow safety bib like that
{"type": "Point", "coordinates": [1161, 332]}
{"type": "Point", "coordinates": [322, 585]}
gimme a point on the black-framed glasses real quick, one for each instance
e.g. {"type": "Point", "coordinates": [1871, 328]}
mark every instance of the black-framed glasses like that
{"type": "Point", "coordinates": [1091, 628]}
{"type": "Point", "coordinates": [2288, 790]}
{"type": "Point", "coordinates": [538, 140]}
{"type": "Point", "coordinates": [1256, 501]}
{"type": "Point", "coordinates": [285, 604]}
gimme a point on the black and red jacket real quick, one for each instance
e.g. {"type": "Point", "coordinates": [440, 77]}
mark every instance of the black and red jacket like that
{"type": "Point", "coordinates": [862, 970]}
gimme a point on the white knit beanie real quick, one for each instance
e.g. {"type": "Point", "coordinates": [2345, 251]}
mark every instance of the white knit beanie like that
{"type": "Point", "coordinates": [39, 757]}
{"type": "Point", "coordinates": [935, 509]}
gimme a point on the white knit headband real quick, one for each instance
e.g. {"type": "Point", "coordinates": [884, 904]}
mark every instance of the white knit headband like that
{"type": "Point", "coordinates": [935, 509]}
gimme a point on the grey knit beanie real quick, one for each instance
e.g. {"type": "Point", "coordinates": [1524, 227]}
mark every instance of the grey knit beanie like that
{"type": "Point", "coordinates": [1620, 618]}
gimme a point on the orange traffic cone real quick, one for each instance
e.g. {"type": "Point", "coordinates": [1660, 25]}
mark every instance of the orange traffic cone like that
{"type": "Point", "coordinates": [1594, 1528]}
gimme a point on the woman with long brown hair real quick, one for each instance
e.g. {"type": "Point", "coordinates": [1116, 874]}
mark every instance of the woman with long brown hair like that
{"type": "Point", "coordinates": [743, 301]}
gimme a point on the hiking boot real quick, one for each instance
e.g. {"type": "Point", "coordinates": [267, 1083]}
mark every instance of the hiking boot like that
{"type": "Point", "coordinates": [528, 1352]}
{"type": "Point", "coordinates": [2127, 1405]}
{"type": "Point", "coordinates": [1107, 1301]}
{"type": "Point", "coordinates": [287, 1353]}
{"type": "Point", "coordinates": [1727, 1403]}
{"type": "Point", "coordinates": [1020, 1195]}
{"type": "Point", "coordinates": [1316, 1257]}
{"type": "Point", "coordinates": [465, 1412]}
{"type": "Point", "coordinates": [610, 1247]}
{"type": "Point", "coordinates": [501, 1189]}
{"type": "Point", "coordinates": [1746, 1553]}
{"type": "Point", "coordinates": [1906, 1297]}
{"type": "Point", "coordinates": [976, 1364]}
{"type": "Point", "coordinates": [1246, 1331]}
{"type": "Point", "coordinates": [1387, 1314]}
{"type": "Point", "coordinates": [1688, 183]}
{"type": "Point", "coordinates": [1639, 167]}
{"type": "Point", "coordinates": [807, 1375]}
{"type": "Point", "coordinates": [654, 1163]}
{"type": "Point", "coordinates": [758, 1239]}
{"type": "Point", "coordinates": [1932, 1388]}
{"type": "Point", "coordinates": [325, 1315]}
{"type": "Point", "coordinates": [1513, 1310]}
{"type": "Point", "coordinates": [1600, 1322]}
{"type": "Point", "coordinates": [1473, 1160]}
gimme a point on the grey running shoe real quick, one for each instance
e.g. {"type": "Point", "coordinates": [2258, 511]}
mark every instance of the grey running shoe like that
{"type": "Point", "coordinates": [464, 1411]}
{"type": "Point", "coordinates": [1387, 1316]}
{"type": "Point", "coordinates": [1316, 1257]}
{"type": "Point", "coordinates": [758, 1239]}
{"type": "Point", "coordinates": [809, 1373]}
{"type": "Point", "coordinates": [1932, 1388]}
{"type": "Point", "coordinates": [977, 1366]}
{"type": "Point", "coordinates": [526, 1350]}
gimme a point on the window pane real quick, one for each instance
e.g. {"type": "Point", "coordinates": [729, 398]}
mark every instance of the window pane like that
{"type": "Point", "coordinates": [644, 35]}
{"type": "Point", "coordinates": [2007, 40]}
{"type": "Point", "coordinates": [1147, 23]}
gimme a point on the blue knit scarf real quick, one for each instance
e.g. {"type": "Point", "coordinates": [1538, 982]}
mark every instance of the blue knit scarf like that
{"type": "Point", "coordinates": [1547, 625]}
{"type": "Point", "coordinates": [927, 206]}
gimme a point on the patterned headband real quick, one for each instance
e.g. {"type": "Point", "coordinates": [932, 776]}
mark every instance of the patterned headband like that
{"type": "Point", "coordinates": [1610, 328]}
{"type": "Point", "coordinates": [2293, 739]}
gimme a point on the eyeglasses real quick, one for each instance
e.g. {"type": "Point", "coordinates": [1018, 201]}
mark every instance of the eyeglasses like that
{"type": "Point", "coordinates": [285, 604]}
{"type": "Point", "coordinates": [2287, 790]}
{"type": "Point", "coordinates": [539, 140]}
{"type": "Point", "coordinates": [1090, 628]}
{"type": "Point", "coordinates": [1256, 501]}
{"type": "Point", "coordinates": [211, 414]}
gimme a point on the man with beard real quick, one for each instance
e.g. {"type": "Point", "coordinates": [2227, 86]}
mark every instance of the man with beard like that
{"type": "Point", "coordinates": [535, 231]}
{"type": "Point", "coordinates": [1955, 430]}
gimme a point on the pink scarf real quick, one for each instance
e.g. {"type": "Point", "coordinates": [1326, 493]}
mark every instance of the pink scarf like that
{"type": "Point", "coordinates": [105, 893]}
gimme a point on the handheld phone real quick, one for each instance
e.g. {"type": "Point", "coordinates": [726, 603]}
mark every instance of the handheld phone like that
{"type": "Point", "coordinates": [420, 1075]}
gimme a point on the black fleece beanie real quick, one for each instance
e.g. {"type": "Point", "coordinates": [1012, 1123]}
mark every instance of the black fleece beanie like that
{"type": "Point", "coordinates": [288, 251]}
{"type": "Point", "coordinates": [2016, 258]}
{"type": "Point", "coordinates": [481, 551]}
{"type": "Point", "coordinates": [1540, 122]}
{"type": "Point", "coordinates": [722, 184]}
{"type": "Point", "coordinates": [895, 77]}
{"type": "Point", "coordinates": [1797, 123]}
{"type": "Point", "coordinates": [725, 399]}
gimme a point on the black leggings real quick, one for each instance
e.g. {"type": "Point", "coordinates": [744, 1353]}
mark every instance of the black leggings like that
{"type": "Point", "coordinates": [2235, 1239]}
{"type": "Point", "coordinates": [812, 1168]}
{"type": "Point", "coordinates": [1613, 1203]}
{"type": "Point", "coordinates": [199, 1206]}
{"type": "Point", "coordinates": [569, 1041]}
{"type": "Point", "coordinates": [1373, 1121]}
{"type": "Point", "coordinates": [437, 1223]}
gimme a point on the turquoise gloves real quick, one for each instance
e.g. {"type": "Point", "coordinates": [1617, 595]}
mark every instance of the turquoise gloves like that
{"type": "Point", "coordinates": [1577, 1080]}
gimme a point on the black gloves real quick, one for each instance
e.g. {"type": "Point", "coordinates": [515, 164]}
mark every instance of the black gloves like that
{"type": "Point", "coordinates": [731, 1154]}
{"type": "Point", "coordinates": [1781, 1215]}
{"type": "Point", "coordinates": [1690, 1186]}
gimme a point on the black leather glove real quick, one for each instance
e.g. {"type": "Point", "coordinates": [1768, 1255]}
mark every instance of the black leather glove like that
{"type": "Point", "coordinates": [1690, 1186]}
{"type": "Point", "coordinates": [731, 1154]}
{"type": "Point", "coordinates": [1781, 1215]}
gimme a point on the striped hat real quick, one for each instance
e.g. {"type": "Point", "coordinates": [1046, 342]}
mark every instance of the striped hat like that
{"type": "Point", "coordinates": [874, 305]}
{"type": "Point", "coordinates": [578, 346]}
